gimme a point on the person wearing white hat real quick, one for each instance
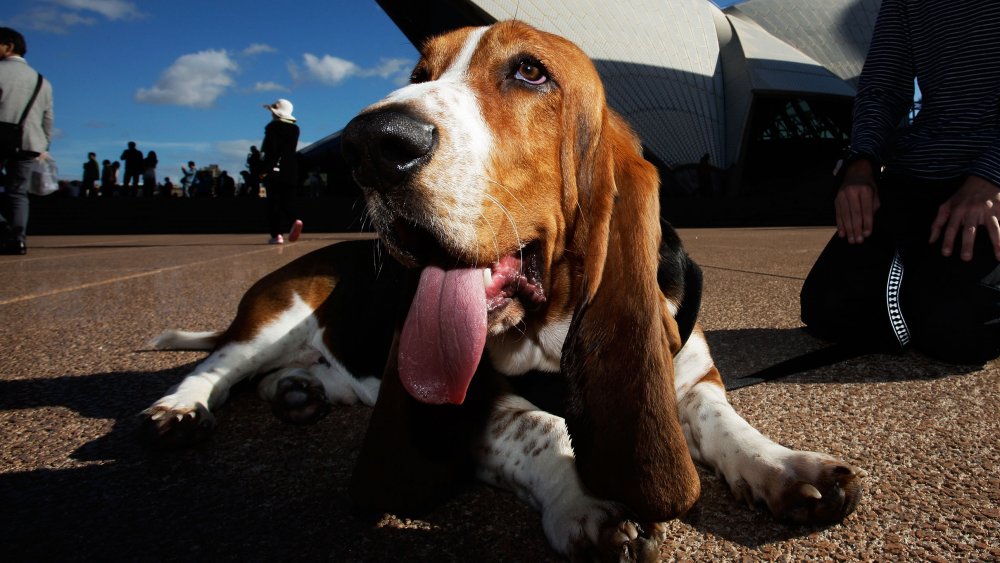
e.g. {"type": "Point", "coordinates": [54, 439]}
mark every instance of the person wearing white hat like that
{"type": "Point", "coordinates": [279, 171]}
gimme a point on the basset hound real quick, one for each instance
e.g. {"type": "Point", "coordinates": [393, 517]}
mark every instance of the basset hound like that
{"type": "Point", "coordinates": [526, 246]}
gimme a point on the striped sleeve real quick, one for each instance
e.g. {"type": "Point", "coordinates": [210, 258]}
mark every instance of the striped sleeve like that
{"type": "Point", "coordinates": [951, 47]}
{"type": "Point", "coordinates": [987, 166]}
{"type": "Point", "coordinates": [885, 88]}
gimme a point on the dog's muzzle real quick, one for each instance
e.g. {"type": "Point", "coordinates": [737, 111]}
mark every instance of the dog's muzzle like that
{"type": "Point", "coordinates": [385, 147]}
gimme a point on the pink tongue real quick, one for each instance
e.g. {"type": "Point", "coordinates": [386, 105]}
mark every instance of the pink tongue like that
{"type": "Point", "coordinates": [444, 335]}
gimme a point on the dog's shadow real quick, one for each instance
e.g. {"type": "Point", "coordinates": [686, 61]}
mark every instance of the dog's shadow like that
{"type": "Point", "coordinates": [260, 489]}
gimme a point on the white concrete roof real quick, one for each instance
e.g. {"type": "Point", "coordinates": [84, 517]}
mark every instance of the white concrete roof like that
{"type": "Point", "coordinates": [684, 73]}
{"type": "Point", "coordinates": [834, 33]}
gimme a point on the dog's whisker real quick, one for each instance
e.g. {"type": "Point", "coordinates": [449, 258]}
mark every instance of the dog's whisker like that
{"type": "Point", "coordinates": [510, 219]}
{"type": "Point", "coordinates": [493, 233]}
{"type": "Point", "coordinates": [506, 189]}
{"type": "Point", "coordinates": [520, 245]}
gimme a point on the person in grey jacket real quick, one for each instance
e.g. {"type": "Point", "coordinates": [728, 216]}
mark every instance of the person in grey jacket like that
{"type": "Point", "coordinates": [17, 83]}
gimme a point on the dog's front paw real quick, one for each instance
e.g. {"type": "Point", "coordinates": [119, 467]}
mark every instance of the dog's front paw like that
{"type": "Point", "coordinates": [822, 490]}
{"type": "Point", "coordinates": [809, 488]}
{"type": "Point", "coordinates": [592, 530]}
{"type": "Point", "coordinates": [171, 426]}
{"type": "Point", "coordinates": [622, 541]}
{"type": "Point", "coordinates": [299, 399]}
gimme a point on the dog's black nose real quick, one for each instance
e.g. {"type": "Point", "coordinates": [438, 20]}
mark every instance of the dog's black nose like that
{"type": "Point", "coordinates": [384, 147]}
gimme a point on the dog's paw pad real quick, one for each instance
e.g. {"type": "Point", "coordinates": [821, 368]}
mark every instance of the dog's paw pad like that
{"type": "Point", "coordinates": [619, 540]}
{"type": "Point", "coordinates": [819, 491]}
{"type": "Point", "coordinates": [629, 542]}
{"type": "Point", "coordinates": [172, 426]}
{"type": "Point", "coordinates": [590, 529]}
{"type": "Point", "coordinates": [300, 400]}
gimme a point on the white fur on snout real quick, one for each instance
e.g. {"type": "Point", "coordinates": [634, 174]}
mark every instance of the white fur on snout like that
{"type": "Point", "coordinates": [449, 192]}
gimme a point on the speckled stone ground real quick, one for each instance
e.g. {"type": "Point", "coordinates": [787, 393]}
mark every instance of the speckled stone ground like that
{"type": "Point", "coordinates": [76, 484]}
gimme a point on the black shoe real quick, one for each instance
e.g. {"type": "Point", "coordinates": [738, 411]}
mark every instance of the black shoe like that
{"type": "Point", "coordinates": [16, 247]}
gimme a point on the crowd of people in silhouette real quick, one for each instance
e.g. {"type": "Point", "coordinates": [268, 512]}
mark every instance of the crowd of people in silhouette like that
{"type": "Point", "coordinates": [135, 175]}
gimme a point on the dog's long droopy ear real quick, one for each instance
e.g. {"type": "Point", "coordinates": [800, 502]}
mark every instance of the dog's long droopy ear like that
{"type": "Point", "coordinates": [622, 408]}
{"type": "Point", "coordinates": [414, 454]}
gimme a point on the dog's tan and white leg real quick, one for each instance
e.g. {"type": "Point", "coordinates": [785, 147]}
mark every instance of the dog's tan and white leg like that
{"type": "Point", "coordinates": [184, 414]}
{"type": "Point", "coordinates": [796, 486]}
{"type": "Point", "coordinates": [528, 451]}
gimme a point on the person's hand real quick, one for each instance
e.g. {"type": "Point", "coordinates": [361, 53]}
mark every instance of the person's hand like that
{"type": "Point", "coordinates": [856, 202]}
{"type": "Point", "coordinates": [975, 205]}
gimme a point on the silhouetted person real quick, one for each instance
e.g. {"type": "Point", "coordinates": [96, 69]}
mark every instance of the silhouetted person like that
{"type": "Point", "coordinates": [91, 175]}
{"type": "Point", "coordinates": [227, 185]}
{"type": "Point", "coordinates": [116, 188]}
{"type": "Point", "coordinates": [149, 174]}
{"type": "Point", "coordinates": [107, 179]}
{"type": "Point", "coordinates": [188, 174]}
{"type": "Point", "coordinates": [254, 164]}
{"type": "Point", "coordinates": [133, 169]}
{"type": "Point", "coordinates": [167, 188]}
{"type": "Point", "coordinates": [202, 186]}
{"type": "Point", "coordinates": [279, 171]}
{"type": "Point", "coordinates": [245, 189]}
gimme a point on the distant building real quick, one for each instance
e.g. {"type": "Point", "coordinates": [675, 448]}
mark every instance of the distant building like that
{"type": "Point", "coordinates": [746, 100]}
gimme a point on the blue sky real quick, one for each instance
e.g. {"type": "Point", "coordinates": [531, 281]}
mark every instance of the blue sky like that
{"type": "Point", "coordinates": [188, 78]}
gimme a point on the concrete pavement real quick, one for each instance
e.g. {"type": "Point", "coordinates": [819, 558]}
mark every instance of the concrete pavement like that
{"type": "Point", "coordinates": [75, 483]}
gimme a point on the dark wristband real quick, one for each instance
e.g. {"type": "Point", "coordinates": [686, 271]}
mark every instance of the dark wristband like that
{"type": "Point", "coordinates": [851, 156]}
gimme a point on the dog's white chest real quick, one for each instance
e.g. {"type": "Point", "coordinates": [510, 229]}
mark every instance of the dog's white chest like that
{"type": "Point", "coordinates": [515, 353]}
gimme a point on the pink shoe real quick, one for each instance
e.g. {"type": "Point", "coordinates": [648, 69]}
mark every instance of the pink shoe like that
{"type": "Point", "coordinates": [276, 240]}
{"type": "Point", "coordinates": [293, 235]}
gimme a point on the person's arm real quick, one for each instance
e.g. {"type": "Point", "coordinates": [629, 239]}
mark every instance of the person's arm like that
{"type": "Point", "coordinates": [885, 87]}
{"type": "Point", "coordinates": [268, 152]}
{"type": "Point", "coordinates": [48, 120]}
{"type": "Point", "coordinates": [885, 94]}
{"type": "Point", "coordinates": [857, 201]}
{"type": "Point", "coordinates": [987, 166]}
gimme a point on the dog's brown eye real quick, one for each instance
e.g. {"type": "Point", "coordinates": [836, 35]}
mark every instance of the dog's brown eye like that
{"type": "Point", "coordinates": [419, 75]}
{"type": "Point", "coordinates": [531, 72]}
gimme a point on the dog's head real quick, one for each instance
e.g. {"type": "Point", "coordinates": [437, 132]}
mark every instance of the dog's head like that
{"type": "Point", "coordinates": [501, 172]}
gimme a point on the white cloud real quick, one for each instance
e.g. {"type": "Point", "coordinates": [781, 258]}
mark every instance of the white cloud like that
{"type": "Point", "coordinates": [194, 80]}
{"type": "Point", "coordinates": [232, 155]}
{"type": "Point", "coordinates": [60, 16]}
{"type": "Point", "coordinates": [269, 87]}
{"type": "Point", "coordinates": [111, 9]}
{"type": "Point", "coordinates": [50, 20]}
{"type": "Point", "coordinates": [257, 48]}
{"type": "Point", "coordinates": [331, 70]}
{"type": "Point", "coordinates": [389, 68]}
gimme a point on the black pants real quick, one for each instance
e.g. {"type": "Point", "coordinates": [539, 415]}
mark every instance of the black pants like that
{"type": "Point", "coordinates": [896, 290]}
{"type": "Point", "coordinates": [131, 184]}
{"type": "Point", "coordinates": [280, 207]}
